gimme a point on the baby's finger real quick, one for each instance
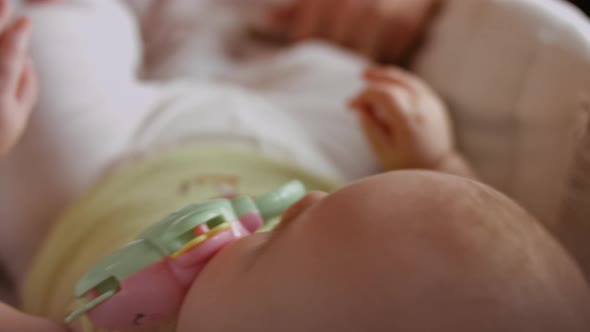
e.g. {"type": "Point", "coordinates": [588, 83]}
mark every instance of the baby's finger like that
{"type": "Point", "coordinates": [396, 76]}
{"type": "Point", "coordinates": [367, 98]}
{"type": "Point", "coordinates": [382, 143]}
{"type": "Point", "coordinates": [5, 14]}
{"type": "Point", "coordinates": [392, 106]}
{"type": "Point", "coordinates": [13, 48]}
{"type": "Point", "coordinates": [373, 132]}
{"type": "Point", "coordinates": [392, 97]}
{"type": "Point", "coordinates": [358, 103]}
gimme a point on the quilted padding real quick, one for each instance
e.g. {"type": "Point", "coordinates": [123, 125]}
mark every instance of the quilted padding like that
{"type": "Point", "coordinates": [516, 75]}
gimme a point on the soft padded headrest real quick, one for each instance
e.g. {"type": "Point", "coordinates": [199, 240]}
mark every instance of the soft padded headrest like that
{"type": "Point", "coordinates": [516, 75]}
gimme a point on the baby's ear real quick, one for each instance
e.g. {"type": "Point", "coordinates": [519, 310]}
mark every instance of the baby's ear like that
{"type": "Point", "coordinates": [14, 320]}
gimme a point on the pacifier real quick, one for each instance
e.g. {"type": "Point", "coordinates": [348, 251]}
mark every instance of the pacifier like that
{"type": "Point", "coordinates": [143, 284]}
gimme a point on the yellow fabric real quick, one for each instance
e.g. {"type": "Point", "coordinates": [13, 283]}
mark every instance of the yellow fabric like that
{"type": "Point", "coordinates": [121, 206]}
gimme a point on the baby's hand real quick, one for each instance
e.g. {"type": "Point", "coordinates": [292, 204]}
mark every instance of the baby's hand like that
{"type": "Point", "coordinates": [381, 29]}
{"type": "Point", "coordinates": [18, 84]}
{"type": "Point", "coordinates": [404, 120]}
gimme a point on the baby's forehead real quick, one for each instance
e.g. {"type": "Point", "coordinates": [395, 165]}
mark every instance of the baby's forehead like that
{"type": "Point", "coordinates": [407, 192]}
{"type": "Point", "coordinates": [451, 211]}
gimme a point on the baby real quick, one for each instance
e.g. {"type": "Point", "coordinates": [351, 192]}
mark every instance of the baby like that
{"type": "Point", "coordinates": [456, 257]}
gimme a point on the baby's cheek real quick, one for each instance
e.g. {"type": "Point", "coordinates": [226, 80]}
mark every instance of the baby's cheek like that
{"type": "Point", "coordinates": [205, 308]}
{"type": "Point", "coordinates": [221, 295]}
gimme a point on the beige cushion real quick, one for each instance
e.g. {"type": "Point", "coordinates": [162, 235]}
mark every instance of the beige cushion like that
{"type": "Point", "coordinates": [516, 74]}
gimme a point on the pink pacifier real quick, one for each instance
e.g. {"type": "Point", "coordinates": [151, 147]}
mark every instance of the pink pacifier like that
{"type": "Point", "coordinates": [143, 284]}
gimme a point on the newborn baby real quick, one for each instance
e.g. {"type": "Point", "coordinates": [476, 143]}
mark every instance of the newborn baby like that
{"type": "Point", "coordinates": [458, 256]}
{"type": "Point", "coordinates": [120, 154]}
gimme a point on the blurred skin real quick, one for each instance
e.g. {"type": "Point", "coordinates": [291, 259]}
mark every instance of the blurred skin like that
{"type": "Point", "coordinates": [385, 254]}
{"type": "Point", "coordinates": [381, 29]}
{"type": "Point", "coordinates": [18, 95]}
{"type": "Point", "coordinates": [18, 84]}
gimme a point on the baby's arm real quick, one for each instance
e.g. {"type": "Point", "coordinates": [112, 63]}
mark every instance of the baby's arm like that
{"type": "Point", "coordinates": [18, 85]}
{"type": "Point", "coordinates": [381, 29]}
{"type": "Point", "coordinates": [407, 124]}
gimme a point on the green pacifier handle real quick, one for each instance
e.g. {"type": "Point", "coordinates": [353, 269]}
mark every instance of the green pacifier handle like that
{"type": "Point", "coordinates": [158, 241]}
{"type": "Point", "coordinates": [274, 203]}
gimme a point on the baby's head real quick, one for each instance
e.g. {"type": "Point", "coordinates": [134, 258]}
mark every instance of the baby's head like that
{"type": "Point", "coordinates": [405, 251]}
